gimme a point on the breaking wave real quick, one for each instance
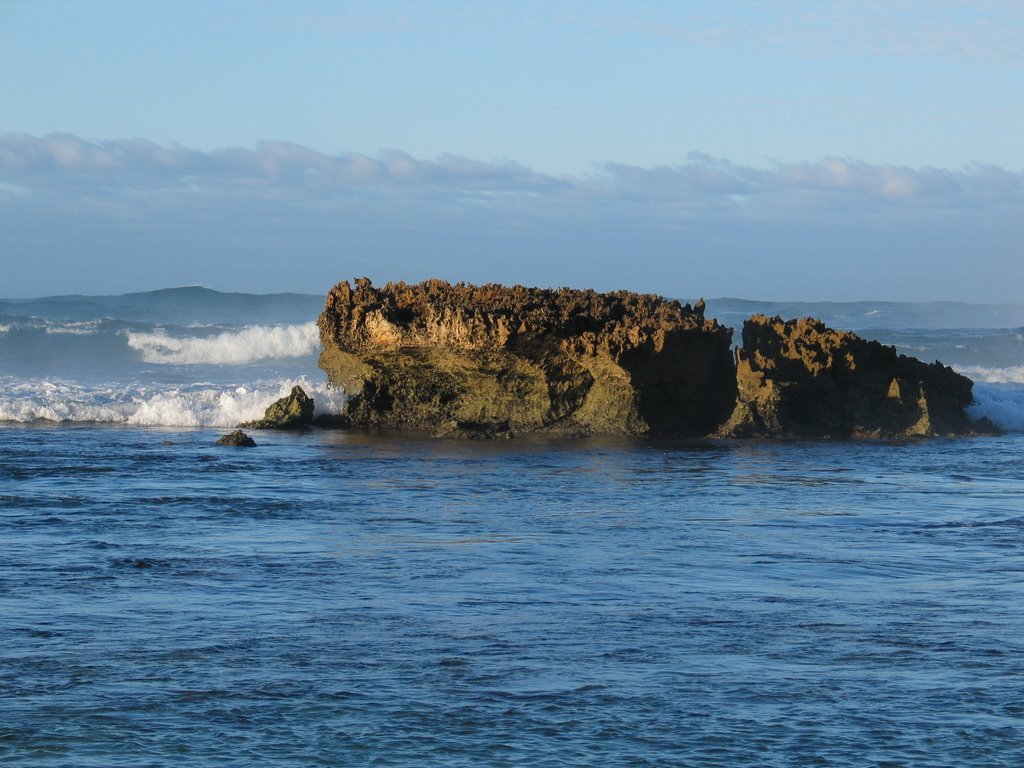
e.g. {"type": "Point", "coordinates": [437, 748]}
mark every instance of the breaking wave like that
{"type": "Point", "coordinates": [84, 328]}
{"type": "Point", "coordinates": [248, 345]}
{"type": "Point", "coordinates": [1003, 403]}
{"type": "Point", "coordinates": [998, 394]}
{"type": "Point", "coordinates": [196, 405]}
{"type": "Point", "coordinates": [1013, 374]}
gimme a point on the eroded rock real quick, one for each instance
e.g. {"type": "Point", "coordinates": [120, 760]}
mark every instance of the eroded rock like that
{"type": "Point", "coordinates": [801, 378]}
{"type": "Point", "coordinates": [495, 360]}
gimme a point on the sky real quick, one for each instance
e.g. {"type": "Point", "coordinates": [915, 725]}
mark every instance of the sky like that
{"type": "Point", "coordinates": [765, 149]}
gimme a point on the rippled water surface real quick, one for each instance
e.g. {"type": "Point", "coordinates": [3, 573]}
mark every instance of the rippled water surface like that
{"type": "Point", "coordinates": [331, 599]}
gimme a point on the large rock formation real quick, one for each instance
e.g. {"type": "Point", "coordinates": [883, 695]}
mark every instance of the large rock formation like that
{"type": "Point", "coordinates": [493, 360]}
{"type": "Point", "coordinates": [800, 378]}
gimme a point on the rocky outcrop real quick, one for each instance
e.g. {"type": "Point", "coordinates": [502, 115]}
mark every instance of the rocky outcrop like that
{"type": "Point", "coordinates": [291, 412]}
{"type": "Point", "coordinates": [238, 438]}
{"type": "Point", "coordinates": [496, 361]}
{"type": "Point", "coordinates": [801, 378]}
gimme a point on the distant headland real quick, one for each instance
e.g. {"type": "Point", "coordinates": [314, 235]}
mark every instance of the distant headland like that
{"type": "Point", "coordinates": [493, 360]}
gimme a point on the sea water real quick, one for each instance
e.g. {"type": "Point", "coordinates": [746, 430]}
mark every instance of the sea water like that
{"type": "Point", "coordinates": [336, 598]}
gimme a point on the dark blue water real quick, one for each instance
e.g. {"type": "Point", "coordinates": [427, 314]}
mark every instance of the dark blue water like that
{"type": "Point", "coordinates": [331, 599]}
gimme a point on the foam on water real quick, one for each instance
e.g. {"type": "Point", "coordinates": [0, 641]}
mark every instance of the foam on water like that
{"type": "Point", "coordinates": [1013, 374]}
{"type": "Point", "coordinates": [84, 328]}
{"type": "Point", "coordinates": [197, 405]}
{"type": "Point", "coordinates": [130, 359]}
{"type": "Point", "coordinates": [1002, 403]}
{"type": "Point", "coordinates": [250, 344]}
{"type": "Point", "coordinates": [998, 394]}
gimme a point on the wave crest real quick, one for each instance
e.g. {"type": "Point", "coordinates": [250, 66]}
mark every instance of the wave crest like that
{"type": "Point", "coordinates": [1002, 403]}
{"type": "Point", "coordinates": [248, 345]}
{"type": "Point", "coordinates": [200, 405]}
{"type": "Point", "coordinates": [1013, 374]}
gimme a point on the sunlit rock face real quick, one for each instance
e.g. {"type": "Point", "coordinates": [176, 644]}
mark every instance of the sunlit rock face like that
{"type": "Point", "coordinates": [493, 360]}
{"type": "Point", "coordinates": [496, 361]}
{"type": "Point", "coordinates": [801, 378]}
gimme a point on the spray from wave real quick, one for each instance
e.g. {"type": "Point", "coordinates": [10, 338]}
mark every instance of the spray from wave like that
{"type": "Point", "coordinates": [248, 345]}
{"type": "Point", "coordinates": [1013, 374]}
{"type": "Point", "coordinates": [1002, 403]}
{"type": "Point", "coordinates": [197, 405]}
{"type": "Point", "coordinates": [998, 394]}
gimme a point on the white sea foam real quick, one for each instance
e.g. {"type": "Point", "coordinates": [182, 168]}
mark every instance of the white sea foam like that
{"type": "Point", "coordinates": [83, 328]}
{"type": "Point", "coordinates": [4, 328]}
{"type": "Point", "coordinates": [199, 405]}
{"type": "Point", "coordinates": [998, 394]}
{"type": "Point", "coordinates": [1002, 403]}
{"type": "Point", "coordinates": [248, 345]}
{"type": "Point", "coordinates": [1013, 374]}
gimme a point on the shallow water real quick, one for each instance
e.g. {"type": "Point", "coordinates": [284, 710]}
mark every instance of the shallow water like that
{"type": "Point", "coordinates": [338, 599]}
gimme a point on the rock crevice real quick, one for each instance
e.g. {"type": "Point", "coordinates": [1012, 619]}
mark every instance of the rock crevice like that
{"type": "Point", "coordinates": [449, 357]}
{"type": "Point", "coordinates": [799, 378]}
{"type": "Point", "coordinates": [492, 360]}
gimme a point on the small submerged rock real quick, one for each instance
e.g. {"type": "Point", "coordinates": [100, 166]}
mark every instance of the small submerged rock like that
{"type": "Point", "coordinates": [237, 438]}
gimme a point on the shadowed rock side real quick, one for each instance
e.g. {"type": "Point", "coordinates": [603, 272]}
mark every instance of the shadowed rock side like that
{"type": "Point", "coordinates": [801, 378]}
{"type": "Point", "coordinates": [238, 439]}
{"type": "Point", "coordinates": [493, 360]}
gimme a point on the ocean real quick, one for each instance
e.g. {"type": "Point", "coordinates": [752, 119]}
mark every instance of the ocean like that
{"type": "Point", "coordinates": [338, 598]}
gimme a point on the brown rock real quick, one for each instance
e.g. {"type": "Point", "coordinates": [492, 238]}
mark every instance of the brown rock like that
{"type": "Point", "coordinates": [801, 378]}
{"type": "Point", "coordinates": [495, 360]}
{"type": "Point", "coordinates": [290, 412]}
{"type": "Point", "coordinates": [237, 438]}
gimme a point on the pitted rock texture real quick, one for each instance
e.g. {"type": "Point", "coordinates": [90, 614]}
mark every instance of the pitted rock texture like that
{"type": "Point", "coordinates": [801, 378]}
{"type": "Point", "coordinates": [498, 361]}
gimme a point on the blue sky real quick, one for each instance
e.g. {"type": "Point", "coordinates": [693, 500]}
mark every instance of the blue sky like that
{"type": "Point", "coordinates": [777, 150]}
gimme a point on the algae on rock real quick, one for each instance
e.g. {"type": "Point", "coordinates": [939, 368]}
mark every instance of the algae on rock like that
{"type": "Point", "coordinates": [293, 411]}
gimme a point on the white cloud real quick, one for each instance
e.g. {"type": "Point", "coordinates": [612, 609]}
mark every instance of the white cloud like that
{"type": "Point", "coordinates": [832, 228]}
{"type": "Point", "coordinates": [63, 158]}
{"type": "Point", "coordinates": [133, 166]}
